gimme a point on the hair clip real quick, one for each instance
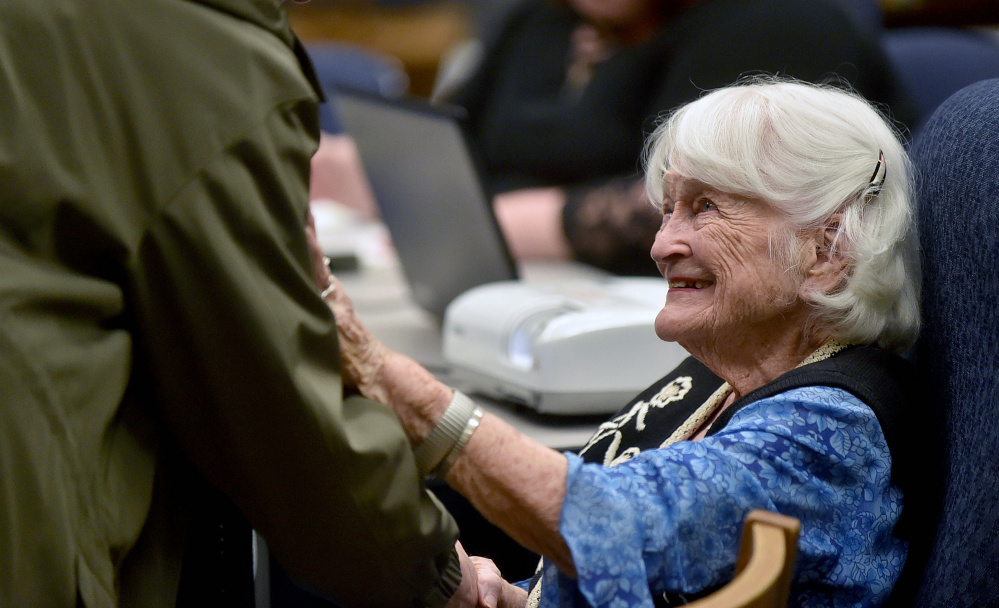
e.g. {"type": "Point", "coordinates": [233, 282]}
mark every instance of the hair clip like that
{"type": "Point", "coordinates": [878, 177]}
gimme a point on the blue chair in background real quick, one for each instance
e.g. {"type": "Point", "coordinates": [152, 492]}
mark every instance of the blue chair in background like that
{"type": "Point", "coordinates": [934, 62]}
{"type": "Point", "coordinates": [956, 157]}
{"type": "Point", "coordinates": [931, 62]}
{"type": "Point", "coordinates": [342, 66]}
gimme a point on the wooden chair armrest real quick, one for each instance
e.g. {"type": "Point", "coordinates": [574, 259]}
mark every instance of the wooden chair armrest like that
{"type": "Point", "coordinates": [765, 565]}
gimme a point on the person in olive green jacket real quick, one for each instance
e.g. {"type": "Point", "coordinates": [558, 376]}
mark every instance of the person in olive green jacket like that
{"type": "Point", "coordinates": [159, 324]}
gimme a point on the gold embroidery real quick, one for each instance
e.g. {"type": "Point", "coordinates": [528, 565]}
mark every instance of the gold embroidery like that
{"type": "Point", "coordinates": [534, 596]}
{"type": "Point", "coordinates": [673, 391]}
{"type": "Point", "coordinates": [703, 413]}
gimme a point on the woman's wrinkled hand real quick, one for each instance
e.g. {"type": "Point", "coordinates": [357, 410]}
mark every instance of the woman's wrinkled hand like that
{"type": "Point", "coordinates": [362, 355]}
{"type": "Point", "coordinates": [414, 394]}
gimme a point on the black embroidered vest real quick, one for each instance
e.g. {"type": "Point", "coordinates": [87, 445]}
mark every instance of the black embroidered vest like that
{"type": "Point", "coordinates": [883, 381]}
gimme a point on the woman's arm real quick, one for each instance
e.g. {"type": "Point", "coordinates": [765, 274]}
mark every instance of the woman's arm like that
{"type": "Point", "coordinates": [515, 482]}
{"type": "Point", "coordinates": [337, 175]}
{"type": "Point", "coordinates": [531, 222]}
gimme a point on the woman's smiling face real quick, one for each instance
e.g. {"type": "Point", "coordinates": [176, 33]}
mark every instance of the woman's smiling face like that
{"type": "Point", "coordinates": [714, 249]}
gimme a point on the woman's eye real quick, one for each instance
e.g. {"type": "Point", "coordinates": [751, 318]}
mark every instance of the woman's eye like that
{"type": "Point", "coordinates": [704, 204]}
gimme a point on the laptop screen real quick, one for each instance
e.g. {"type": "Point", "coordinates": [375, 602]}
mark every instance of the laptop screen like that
{"type": "Point", "coordinates": [430, 195]}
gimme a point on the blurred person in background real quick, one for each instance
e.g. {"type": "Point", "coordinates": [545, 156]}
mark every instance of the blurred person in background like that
{"type": "Point", "coordinates": [567, 90]}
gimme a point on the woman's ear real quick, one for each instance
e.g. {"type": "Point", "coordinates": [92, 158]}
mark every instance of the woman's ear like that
{"type": "Point", "coordinates": [826, 268]}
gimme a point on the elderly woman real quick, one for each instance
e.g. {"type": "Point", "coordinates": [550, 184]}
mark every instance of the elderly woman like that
{"type": "Point", "coordinates": [787, 242]}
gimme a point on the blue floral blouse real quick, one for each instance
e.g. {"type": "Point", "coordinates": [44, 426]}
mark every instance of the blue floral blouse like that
{"type": "Point", "coordinates": [670, 519]}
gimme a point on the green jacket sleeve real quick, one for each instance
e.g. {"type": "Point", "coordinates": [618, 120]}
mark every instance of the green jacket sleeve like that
{"type": "Point", "coordinates": [243, 359]}
{"type": "Point", "coordinates": [155, 292]}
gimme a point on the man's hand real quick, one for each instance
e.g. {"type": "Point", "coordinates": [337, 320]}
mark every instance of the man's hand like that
{"type": "Point", "coordinates": [467, 595]}
{"type": "Point", "coordinates": [494, 590]}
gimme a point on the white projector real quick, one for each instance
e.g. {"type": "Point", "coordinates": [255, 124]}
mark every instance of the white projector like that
{"type": "Point", "coordinates": [578, 347]}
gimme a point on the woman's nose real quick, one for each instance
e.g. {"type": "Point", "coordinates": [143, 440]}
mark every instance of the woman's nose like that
{"type": "Point", "coordinates": [671, 240]}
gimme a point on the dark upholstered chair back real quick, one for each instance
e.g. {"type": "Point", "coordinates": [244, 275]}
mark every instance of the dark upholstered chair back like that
{"type": "Point", "coordinates": [957, 163]}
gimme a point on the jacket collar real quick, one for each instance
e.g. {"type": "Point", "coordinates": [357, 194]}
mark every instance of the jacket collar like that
{"type": "Point", "coordinates": [268, 14]}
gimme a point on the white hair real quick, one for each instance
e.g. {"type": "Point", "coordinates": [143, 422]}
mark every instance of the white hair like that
{"type": "Point", "coordinates": [811, 152]}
